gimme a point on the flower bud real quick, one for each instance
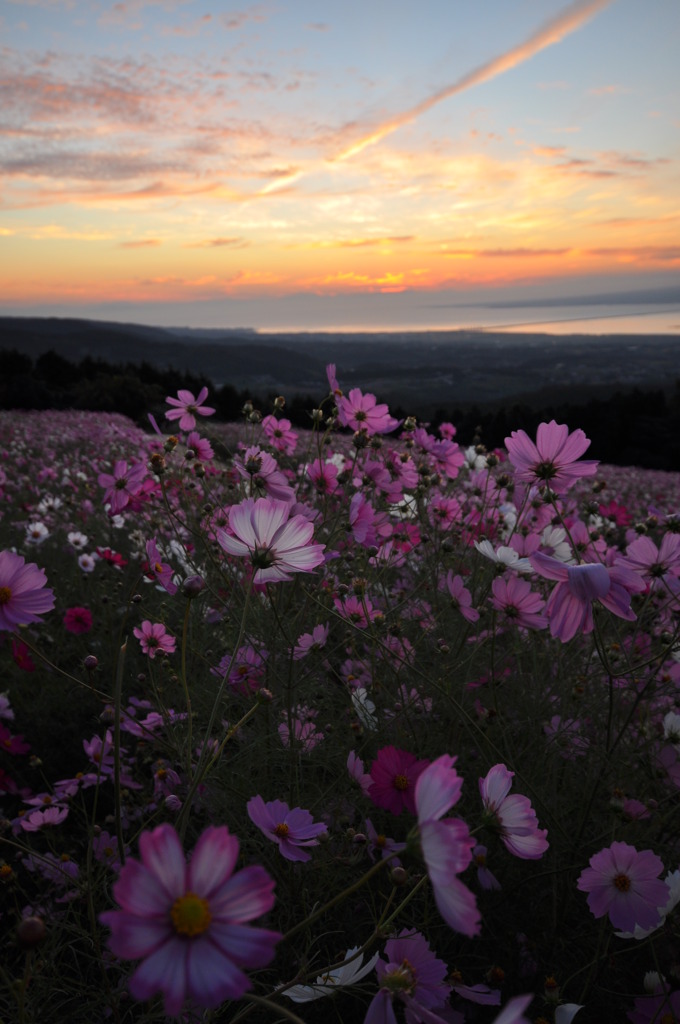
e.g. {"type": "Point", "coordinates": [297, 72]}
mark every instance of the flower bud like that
{"type": "Point", "coordinates": [192, 586]}
{"type": "Point", "coordinates": [30, 932]}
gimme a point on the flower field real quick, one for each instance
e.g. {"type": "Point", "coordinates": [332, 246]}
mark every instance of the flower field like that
{"type": "Point", "coordinates": [363, 721]}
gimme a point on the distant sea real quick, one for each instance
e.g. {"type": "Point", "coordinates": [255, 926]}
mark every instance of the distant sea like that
{"type": "Point", "coordinates": [527, 320]}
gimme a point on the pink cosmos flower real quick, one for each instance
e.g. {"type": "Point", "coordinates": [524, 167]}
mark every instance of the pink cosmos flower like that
{"type": "Point", "coordinates": [486, 878]}
{"type": "Point", "coordinates": [36, 820]}
{"type": "Point", "coordinates": [188, 922]}
{"type": "Point", "coordinates": [661, 1007]}
{"type": "Point", "coordinates": [78, 620]}
{"type": "Point", "coordinates": [570, 606]}
{"type": "Point", "coordinates": [552, 461]}
{"type": "Point", "coordinates": [324, 476]}
{"type": "Point", "coordinates": [394, 774]}
{"type": "Point", "coordinates": [512, 817]}
{"type": "Point", "coordinates": [156, 569]}
{"type": "Point", "coordinates": [378, 842]}
{"type": "Point", "coordinates": [291, 829]}
{"type": "Point", "coordinates": [355, 767]}
{"type": "Point", "coordinates": [12, 744]}
{"type": "Point", "coordinates": [154, 638]}
{"type": "Point", "coordinates": [308, 642]}
{"type": "Point", "coordinates": [188, 407]}
{"type": "Point", "coordinates": [122, 485]}
{"type": "Point", "coordinates": [23, 596]}
{"type": "Point", "coordinates": [461, 598]}
{"type": "Point", "coordinates": [656, 565]}
{"type": "Point", "coordinates": [279, 434]}
{"type": "Point", "coordinates": [262, 470]}
{"type": "Point", "coordinates": [200, 446]}
{"type": "Point", "coordinates": [446, 845]}
{"type": "Point", "coordinates": [361, 412]}
{"type": "Point", "coordinates": [624, 884]}
{"type": "Point", "coordinates": [414, 974]}
{"type": "Point", "coordinates": [519, 604]}
{"type": "Point", "coordinates": [276, 543]}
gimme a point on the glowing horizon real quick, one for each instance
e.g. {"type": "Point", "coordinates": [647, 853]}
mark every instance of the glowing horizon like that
{"type": "Point", "coordinates": [157, 152]}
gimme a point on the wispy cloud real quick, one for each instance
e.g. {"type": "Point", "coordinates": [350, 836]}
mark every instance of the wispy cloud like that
{"type": "Point", "coordinates": [568, 20]}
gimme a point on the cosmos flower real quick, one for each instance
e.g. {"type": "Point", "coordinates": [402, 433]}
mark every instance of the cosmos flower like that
{"type": "Point", "coordinates": [78, 620]}
{"type": "Point", "coordinates": [23, 594]}
{"type": "Point", "coordinates": [352, 970]}
{"type": "Point", "coordinates": [394, 774]}
{"type": "Point", "coordinates": [154, 638]}
{"type": "Point", "coordinates": [187, 408]}
{"type": "Point", "coordinates": [291, 829]}
{"type": "Point", "coordinates": [362, 412]}
{"type": "Point", "coordinates": [276, 543]}
{"type": "Point", "coordinates": [123, 484]}
{"type": "Point", "coordinates": [512, 816]}
{"type": "Point", "coordinates": [413, 974]}
{"type": "Point", "coordinates": [552, 460]}
{"type": "Point", "coordinates": [625, 884]}
{"type": "Point", "coordinates": [188, 922]}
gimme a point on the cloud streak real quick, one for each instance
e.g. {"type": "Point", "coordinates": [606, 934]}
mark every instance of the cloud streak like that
{"type": "Point", "coordinates": [563, 24]}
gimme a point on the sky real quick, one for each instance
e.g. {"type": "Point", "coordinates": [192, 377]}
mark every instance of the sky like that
{"type": "Point", "coordinates": [301, 164]}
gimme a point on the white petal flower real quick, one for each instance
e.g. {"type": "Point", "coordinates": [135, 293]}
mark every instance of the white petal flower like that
{"type": "Point", "coordinates": [348, 973]}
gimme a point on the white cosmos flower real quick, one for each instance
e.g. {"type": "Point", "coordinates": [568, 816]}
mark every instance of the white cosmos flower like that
{"type": "Point", "coordinates": [364, 708]}
{"type": "Point", "coordinates": [349, 972]}
{"type": "Point", "coordinates": [504, 556]}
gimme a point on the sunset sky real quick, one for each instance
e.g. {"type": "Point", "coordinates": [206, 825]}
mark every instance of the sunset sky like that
{"type": "Point", "coordinates": [307, 163]}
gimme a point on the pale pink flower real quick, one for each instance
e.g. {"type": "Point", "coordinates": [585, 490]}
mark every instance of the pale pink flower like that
{"type": "Point", "coordinates": [655, 565]}
{"type": "Point", "coordinates": [123, 484]}
{"type": "Point", "coordinates": [36, 820]}
{"type": "Point", "coordinates": [518, 603]}
{"type": "Point", "coordinates": [200, 446]}
{"type": "Point", "coordinates": [308, 642]}
{"type": "Point", "coordinates": [512, 817]}
{"type": "Point", "coordinates": [625, 885]}
{"type": "Point", "coordinates": [446, 845]}
{"type": "Point", "coordinates": [276, 543]}
{"type": "Point", "coordinates": [188, 407]}
{"type": "Point", "coordinates": [461, 598]}
{"type": "Point", "coordinates": [279, 434]}
{"type": "Point", "coordinates": [552, 460]}
{"type": "Point", "coordinates": [23, 595]}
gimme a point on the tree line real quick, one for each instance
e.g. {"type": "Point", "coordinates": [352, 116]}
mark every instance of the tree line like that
{"type": "Point", "coordinates": [634, 428]}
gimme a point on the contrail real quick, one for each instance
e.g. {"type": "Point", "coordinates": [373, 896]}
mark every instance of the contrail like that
{"type": "Point", "coordinates": [568, 20]}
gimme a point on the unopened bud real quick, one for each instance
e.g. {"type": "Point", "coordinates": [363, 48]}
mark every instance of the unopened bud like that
{"type": "Point", "coordinates": [192, 586]}
{"type": "Point", "coordinates": [30, 932]}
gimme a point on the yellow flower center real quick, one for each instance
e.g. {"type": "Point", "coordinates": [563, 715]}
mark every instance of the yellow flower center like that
{"type": "Point", "coordinates": [190, 915]}
{"type": "Point", "coordinates": [5, 595]}
{"type": "Point", "coordinates": [400, 782]}
{"type": "Point", "coordinates": [281, 830]}
{"type": "Point", "coordinates": [622, 883]}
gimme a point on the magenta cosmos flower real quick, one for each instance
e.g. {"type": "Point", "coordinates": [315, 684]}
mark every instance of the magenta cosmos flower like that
{"type": "Point", "coordinates": [23, 595]}
{"type": "Point", "coordinates": [394, 774]}
{"type": "Point", "coordinates": [361, 412]}
{"type": "Point", "coordinates": [570, 606]}
{"type": "Point", "coordinates": [276, 544]}
{"type": "Point", "coordinates": [187, 408]}
{"type": "Point", "coordinates": [188, 921]}
{"type": "Point", "coordinates": [153, 638]}
{"type": "Point", "coordinates": [446, 845]}
{"type": "Point", "coordinates": [414, 974]}
{"type": "Point", "coordinates": [624, 884]}
{"type": "Point", "coordinates": [78, 620]}
{"type": "Point", "coordinates": [156, 569]}
{"type": "Point", "coordinates": [512, 817]}
{"type": "Point", "coordinates": [291, 829]}
{"type": "Point", "coordinates": [552, 461]}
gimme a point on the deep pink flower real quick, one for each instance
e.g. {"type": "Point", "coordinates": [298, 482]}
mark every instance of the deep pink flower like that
{"type": "Point", "coordinates": [291, 829]}
{"type": "Point", "coordinates": [412, 972]}
{"type": "Point", "coordinates": [22, 655]}
{"type": "Point", "coordinates": [361, 412]}
{"type": "Point", "coordinates": [552, 461]}
{"type": "Point", "coordinates": [188, 407]}
{"type": "Point", "coordinates": [624, 884]}
{"type": "Point", "coordinates": [23, 595]}
{"type": "Point", "coordinates": [154, 638]}
{"type": "Point", "coordinates": [512, 817]}
{"type": "Point", "coordinates": [276, 543]}
{"type": "Point", "coordinates": [188, 921]}
{"type": "Point", "coordinates": [324, 476]}
{"type": "Point", "coordinates": [78, 620]}
{"type": "Point", "coordinates": [156, 569]}
{"type": "Point", "coordinates": [446, 845]}
{"type": "Point", "coordinates": [570, 605]}
{"type": "Point", "coordinates": [394, 774]}
{"type": "Point", "coordinates": [520, 605]}
{"type": "Point", "coordinates": [12, 744]}
{"type": "Point", "coordinates": [122, 485]}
